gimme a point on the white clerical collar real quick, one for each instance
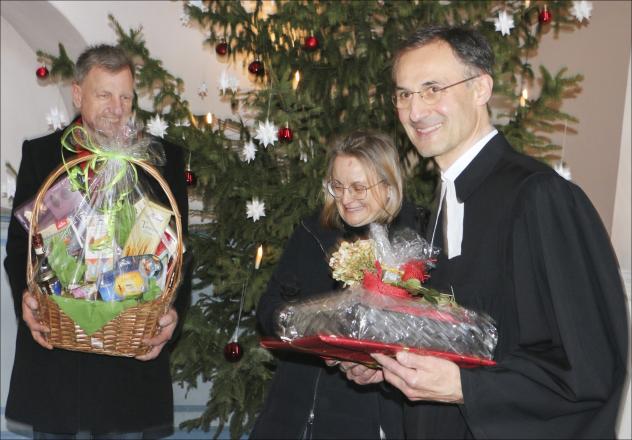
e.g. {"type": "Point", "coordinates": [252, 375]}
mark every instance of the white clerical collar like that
{"type": "Point", "coordinates": [462, 162]}
{"type": "Point", "coordinates": [455, 210]}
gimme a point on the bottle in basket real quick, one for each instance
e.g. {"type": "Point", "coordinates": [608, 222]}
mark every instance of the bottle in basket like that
{"type": "Point", "coordinates": [45, 276]}
{"type": "Point", "coordinates": [40, 254]}
{"type": "Point", "coordinates": [49, 283]}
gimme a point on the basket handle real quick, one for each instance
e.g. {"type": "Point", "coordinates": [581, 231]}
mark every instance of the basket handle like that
{"type": "Point", "coordinates": [172, 279]}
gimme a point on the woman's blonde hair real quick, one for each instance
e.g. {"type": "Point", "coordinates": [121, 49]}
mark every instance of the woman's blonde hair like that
{"type": "Point", "coordinates": [378, 155]}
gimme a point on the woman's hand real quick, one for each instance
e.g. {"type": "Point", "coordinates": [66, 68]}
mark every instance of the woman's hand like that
{"type": "Point", "coordinates": [358, 373]}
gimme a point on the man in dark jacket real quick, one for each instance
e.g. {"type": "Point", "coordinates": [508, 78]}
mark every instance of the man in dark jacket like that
{"type": "Point", "coordinates": [65, 392]}
{"type": "Point", "coordinates": [521, 244]}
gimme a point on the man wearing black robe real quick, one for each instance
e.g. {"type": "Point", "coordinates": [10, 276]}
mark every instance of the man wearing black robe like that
{"type": "Point", "coordinates": [519, 243]}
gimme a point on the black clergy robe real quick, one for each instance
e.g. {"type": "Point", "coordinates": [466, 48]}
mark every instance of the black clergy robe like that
{"type": "Point", "coordinates": [536, 257]}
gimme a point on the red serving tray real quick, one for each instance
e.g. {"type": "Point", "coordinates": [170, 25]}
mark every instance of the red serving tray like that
{"type": "Point", "coordinates": [358, 350]}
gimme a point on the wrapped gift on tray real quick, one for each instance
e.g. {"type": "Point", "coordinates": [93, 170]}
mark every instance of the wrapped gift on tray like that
{"type": "Point", "coordinates": [360, 322]}
{"type": "Point", "coordinates": [385, 309]}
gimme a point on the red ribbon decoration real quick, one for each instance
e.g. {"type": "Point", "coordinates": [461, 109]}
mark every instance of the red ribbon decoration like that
{"type": "Point", "coordinates": [415, 269]}
{"type": "Point", "coordinates": [373, 283]}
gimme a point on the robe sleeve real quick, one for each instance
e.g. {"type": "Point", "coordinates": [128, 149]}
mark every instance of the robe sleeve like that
{"type": "Point", "coordinates": [564, 327]}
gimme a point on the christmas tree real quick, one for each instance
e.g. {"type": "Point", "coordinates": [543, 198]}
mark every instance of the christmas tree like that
{"type": "Point", "coordinates": [318, 69]}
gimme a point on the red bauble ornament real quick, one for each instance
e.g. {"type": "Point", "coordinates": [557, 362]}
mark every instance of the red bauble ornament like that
{"type": "Point", "coordinates": [222, 48]}
{"type": "Point", "coordinates": [189, 177]}
{"type": "Point", "coordinates": [545, 15]}
{"type": "Point", "coordinates": [42, 72]}
{"type": "Point", "coordinates": [286, 135]}
{"type": "Point", "coordinates": [256, 68]}
{"type": "Point", "coordinates": [233, 351]}
{"type": "Point", "coordinates": [310, 43]}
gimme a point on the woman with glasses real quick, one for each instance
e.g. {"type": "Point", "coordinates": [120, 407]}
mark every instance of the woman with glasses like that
{"type": "Point", "coordinates": [309, 397]}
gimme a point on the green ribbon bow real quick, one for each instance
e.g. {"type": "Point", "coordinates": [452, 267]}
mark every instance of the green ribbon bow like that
{"type": "Point", "coordinates": [82, 138]}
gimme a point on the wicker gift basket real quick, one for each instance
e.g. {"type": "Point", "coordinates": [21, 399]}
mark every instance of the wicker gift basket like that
{"type": "Point", "coordinates": [123, 335]}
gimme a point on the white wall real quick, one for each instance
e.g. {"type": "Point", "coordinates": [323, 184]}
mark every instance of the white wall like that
{"type": "Point", "coordinates": [621, 217]}
{"type": "Point", "coordinates": [621, 239]}
{"type": "Point", "coordinates": [599, 50]}
{"type": "Point", "coordinates": [24, 106]}
{"type": "Point", "coordinates": [25, 101]}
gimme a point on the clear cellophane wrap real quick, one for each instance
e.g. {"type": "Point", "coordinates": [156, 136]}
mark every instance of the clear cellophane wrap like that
{"type": "Point", "coordinates": [392, 318]}
{"type": "Point", "coordinates": [108, 240]}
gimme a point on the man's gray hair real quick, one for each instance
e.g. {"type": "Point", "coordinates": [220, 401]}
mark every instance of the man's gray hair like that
{"type": "Point", "coordinates": [111, 58]}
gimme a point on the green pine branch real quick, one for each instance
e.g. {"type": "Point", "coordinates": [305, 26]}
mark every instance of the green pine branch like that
{"type": "Point", "coordinates": [62, 66]}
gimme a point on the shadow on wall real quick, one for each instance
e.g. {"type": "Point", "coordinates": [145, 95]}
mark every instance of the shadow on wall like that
{"type": "Point", "coordinates": [42, 27]}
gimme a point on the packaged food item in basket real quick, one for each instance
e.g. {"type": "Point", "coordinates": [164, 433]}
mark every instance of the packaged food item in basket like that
{"type": "Point", "coordinates": [131, 278]}
{"type": "Point", "coordinates": [60, 209]}
{"type": "Point", "coordinates": [147, 231]}
{"type": "Point", "coordinates": [104, 227]}
{"type": "Point", "coordinates": [386, 306]}
{"type": "Point", "coordinates": [59, 203]}
{"type": "Point", "coordinates": [86, 291]}
{"type": "Point", "coordinates": [165, 251]}
{"type": "Point", "coordinates": [100, 246]}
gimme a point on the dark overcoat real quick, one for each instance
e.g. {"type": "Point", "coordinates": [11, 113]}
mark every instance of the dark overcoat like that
{"type": "Point", "coordinates": [61, 391]}
{"type": "Point", "coordinates": [303, 384]}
